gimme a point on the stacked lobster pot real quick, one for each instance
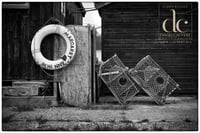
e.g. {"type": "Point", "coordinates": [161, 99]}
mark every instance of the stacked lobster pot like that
{"type": "Point", "coordinates": [115, 75]}
{"type": "Point", "coordinates": [147, 75]}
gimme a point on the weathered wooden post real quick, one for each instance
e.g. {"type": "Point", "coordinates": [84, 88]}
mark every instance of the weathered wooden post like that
{"type": "Point", "coordinates": [75, 80]}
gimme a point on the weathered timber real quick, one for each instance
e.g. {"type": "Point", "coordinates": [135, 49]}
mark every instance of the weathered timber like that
{"type": "Point", "coordinates": [32, 101]}
{"type": "Point", "coordinates": [75, 79]}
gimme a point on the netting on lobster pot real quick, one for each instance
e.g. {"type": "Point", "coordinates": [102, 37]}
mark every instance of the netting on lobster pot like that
{"type": "Point", "coordinates": [153, 79]}
{"type": "Point", "coordinates": [115, 75]}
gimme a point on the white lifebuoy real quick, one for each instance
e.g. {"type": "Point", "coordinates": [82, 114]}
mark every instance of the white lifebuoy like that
{"type": "Point", "coordinates": [70, 48]}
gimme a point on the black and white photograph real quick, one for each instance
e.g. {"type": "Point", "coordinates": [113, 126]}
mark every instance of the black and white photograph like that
{"type": "Point", "coordinates": [99, 65]}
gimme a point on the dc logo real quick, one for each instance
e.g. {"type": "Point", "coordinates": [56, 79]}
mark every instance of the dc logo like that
{"type": "Point", "coordinates": [175, 23]}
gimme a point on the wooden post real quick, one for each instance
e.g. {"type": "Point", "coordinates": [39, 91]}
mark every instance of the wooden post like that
{"type": "Point", "coordinates": [75, 79]}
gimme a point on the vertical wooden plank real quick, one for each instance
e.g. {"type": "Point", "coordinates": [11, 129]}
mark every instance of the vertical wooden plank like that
{"type": "Point", "coordinates": [55, 86]}
{"type": "Point", "coordinates": [10, 42]}
{"type": "Point", "coordinates": [89, 63]}
{"type": "Point", "coordinates": [4, 45]}
{"type": "Point", "coordinates": [24, 49]}
{"type": "Point", "coordinates": [44, 44]}
{"type": "Point", "coordinates": [91, 36]}
{"type": "Point", "coordinates": [34, 26]}
{"type": "Point", "coordinates": [93, 59]}
{"type": "Point", "coordinates": [17, 45]}
{"type": "Point", "coordinates": [75, 79]}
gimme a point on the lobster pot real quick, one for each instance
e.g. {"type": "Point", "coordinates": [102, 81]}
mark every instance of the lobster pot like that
{"type": "Point", "coordinates": [153, 79]}
{"type": "Point", "coordinates": [115, 75]}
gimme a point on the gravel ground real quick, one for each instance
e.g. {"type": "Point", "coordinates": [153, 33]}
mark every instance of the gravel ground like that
{"type": "Point", "coordinates": [140, 113]}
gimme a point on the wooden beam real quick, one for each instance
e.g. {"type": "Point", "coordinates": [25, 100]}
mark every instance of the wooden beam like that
{"type": "Point", "coordinates": [36, 101]}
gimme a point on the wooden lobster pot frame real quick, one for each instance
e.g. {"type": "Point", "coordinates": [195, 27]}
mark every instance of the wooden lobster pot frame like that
{"type": "Point", "coordinates": [115, 75]}
{"type": "Point", "coordinates": [153, 79]}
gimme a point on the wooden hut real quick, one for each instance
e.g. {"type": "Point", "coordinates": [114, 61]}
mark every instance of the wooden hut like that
{"type": "Point", "coordinates": [20, 21]}
{"type": "Point", "coordinates": [166, 31]}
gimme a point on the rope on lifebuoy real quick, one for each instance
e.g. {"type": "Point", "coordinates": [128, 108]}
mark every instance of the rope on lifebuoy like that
{"type": "Point", "coordinates": [63, 60]}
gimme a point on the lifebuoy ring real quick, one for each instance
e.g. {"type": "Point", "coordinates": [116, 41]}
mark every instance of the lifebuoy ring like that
{"type": "Point", "coordinates": [69, 52]}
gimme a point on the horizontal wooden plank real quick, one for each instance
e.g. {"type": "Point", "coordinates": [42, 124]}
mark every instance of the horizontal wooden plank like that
{"type": "Point", "coordinates": [162, 51]}
{"type": "Point", "coordinates": [130, 25]}
{"type": "Point", "coordinates": [117, 29]}
{"type": "Point", "coordinates": [29, 83]}
{"type": "Point", "coordinates": [147, 4]}
{"type": "Point", "coordinates": [136, 27]}
{"type": "Point", "coordinates": [20, 91]}
{"type": "Point", "coordinates": [137, 14]}
{"type": "Point", "coordinates": [138, 40]}
{"type": "Point", "coordinates": [164, 57]}
{"type": "Point", "coordinates": [147, 36]}
{"type": "Point", "coordinates": [127, 36]}
{"type": "Point", "coordinates": [34, 101]}
{"type": "Point", "coordinates": [175, 93]}
{"type": "Point", "coordinates": [130, 6]}
{"type": "Point", "coordinates": [165, 63]}
{"type": "Point", "coordinates": [140, 53]}
{"type": "Point", "coordinates": [145, 44]}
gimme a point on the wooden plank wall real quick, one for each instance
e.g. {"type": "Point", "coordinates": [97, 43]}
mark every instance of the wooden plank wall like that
{"type": "Point", "coordinates": [131, 30]}
{"type": "Point", "coordinates": [18, 29]}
